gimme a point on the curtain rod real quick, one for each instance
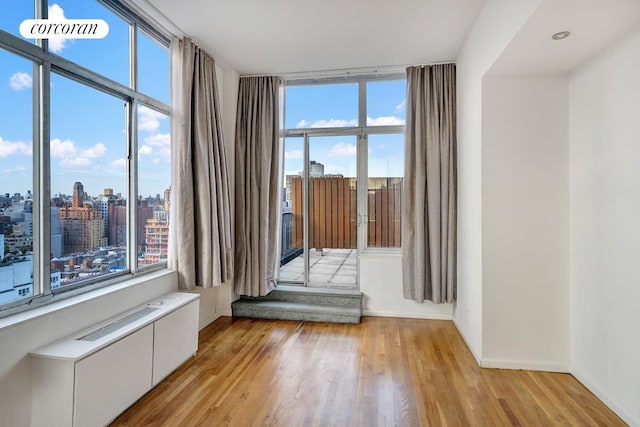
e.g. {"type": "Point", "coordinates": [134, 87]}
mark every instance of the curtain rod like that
{"type": "Point", "coordinates": [344, 72]}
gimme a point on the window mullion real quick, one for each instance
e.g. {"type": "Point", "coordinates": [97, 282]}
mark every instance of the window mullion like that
{"type": "Point", "coordinates": [305, 209]}
{"type": "Point", "coordinates": [132, 184]}
{"type": "Point", "coordinates": [362, 187]}
{"type": "Point", "coordinates": [133, 57]}
{"type": "Point", "coordinates": [362, 194]}
{"type": "Point", "coordinates": [132, 153]}
{"type": "Point", "coordinates": [42, 210]}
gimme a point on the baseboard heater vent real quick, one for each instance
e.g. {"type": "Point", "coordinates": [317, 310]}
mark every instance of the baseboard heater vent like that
{"type": "Point", "coordinates": [120, 323]}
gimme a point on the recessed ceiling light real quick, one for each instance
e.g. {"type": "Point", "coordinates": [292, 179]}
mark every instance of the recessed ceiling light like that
{"type": "Point", "coordinates": [561, 35]}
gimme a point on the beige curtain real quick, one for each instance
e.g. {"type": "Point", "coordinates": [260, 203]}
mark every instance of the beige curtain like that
{"type": "Point", "coordinates": [201, 247]}
{"type": "Point", "coordinates": [257, 186]}
{"type": "Point", "coordinates": [429, 195]}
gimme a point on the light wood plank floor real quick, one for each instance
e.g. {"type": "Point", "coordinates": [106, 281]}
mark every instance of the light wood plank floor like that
{"type": "Point", "coordinates": [383, 372]}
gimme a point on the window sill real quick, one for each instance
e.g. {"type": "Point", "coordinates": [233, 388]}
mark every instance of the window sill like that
{"type": "Point", "coordinates": [65, 301]}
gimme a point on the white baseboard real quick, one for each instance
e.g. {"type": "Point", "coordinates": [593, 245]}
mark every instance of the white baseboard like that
{"type": "Point", "coordinates": [527, 365]}
{"type": "Point", "coordinates": [407, 315]}
{"type": "Point", "coordinates": [466, 341]}
{"type": "Point", "coordinates": [604, 397]}
{"type": "Point", "coordinates": [209, 320]}
{"type": "Point", "coordinates": [226, 312]}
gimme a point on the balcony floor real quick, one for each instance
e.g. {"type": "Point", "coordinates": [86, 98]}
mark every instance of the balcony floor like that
{"type": "Point", "coordinates": [328, 268]}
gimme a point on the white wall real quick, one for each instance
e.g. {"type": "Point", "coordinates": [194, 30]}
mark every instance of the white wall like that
{"type": "Point", "coordinates": [216, 302]}
{"type": "Point", "coordinates": [72, 315]}
{"type": "Point", "coordinates": [525, 218]}
{"type": "Point", "coordinates": [496, 25]}
{"type": "Point", "coordinates": [605, 230]}
{"type": "Point", "coordinates": [381, 285]}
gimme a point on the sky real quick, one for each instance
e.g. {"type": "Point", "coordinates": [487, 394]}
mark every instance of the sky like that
{"type": "Point", "coordinates": [88, 127]}
{"type": "Point", "coordinates": [337, 106]}
{"type": "Point", "coordinates": [88, 140]}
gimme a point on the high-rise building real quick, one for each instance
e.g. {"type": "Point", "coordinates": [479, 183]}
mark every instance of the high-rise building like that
{"type": "Point", "coordinates": [117, 214]}
{"type": "Point", "coordinates": [157, 237]}
{"type": "Point", "coordinates": [57, 233]}
{"type": "Point", "coordinates": [167, 199]}
{"type": "Point", "coordinates": [145, 213]}
{"type": "Point", "coordinates": [316, 168]}
{"type": "Point", "coordinates": [103, 201]}
{"type": "Point", "coordinates": [83, 224]}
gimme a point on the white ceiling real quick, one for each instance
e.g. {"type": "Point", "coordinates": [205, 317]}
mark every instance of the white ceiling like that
{"type": "Point", "coordinates": [285, 36]}
{"type": "Point", "coordinates": [594, 24]}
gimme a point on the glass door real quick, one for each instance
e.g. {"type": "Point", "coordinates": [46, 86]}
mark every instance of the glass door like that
{"type": "Point", "coordinates": [319, 223]}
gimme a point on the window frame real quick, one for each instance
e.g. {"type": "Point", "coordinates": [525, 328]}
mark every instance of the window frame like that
{"type": "Point", "coordinates": [44, 64]}
{"type": "Point", "coordinates": [361, 131]}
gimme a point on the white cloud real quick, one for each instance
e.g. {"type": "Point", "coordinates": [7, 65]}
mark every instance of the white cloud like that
{"type": "Point", "coordinates": [331, 123]}
{"type": "Point", "coordinates": [158, 140]}
{"type": "Point", "coordinates": [342, 149]}
{"type": "Point", "coordinates": [94, 152]}
{"type": "Point", "coordinates": [75, 162]}
{"type": "Point", "coordinates": [62, 149]}
{"type": "Point", "coordinates": [119, 163]}
{"type": "Point", "coordinates": [145, 150]}
{"type": "Point", "coordinates": [401, 106]}
{"type": "Point", "coordinates": [72, 156]}
{"type": "Point", "coordinates": [148, 119]}
{"type": "Point", "coordinates": [20, 81]}
{"type": "Point", "coordinates": [336, 123]}
{"type": "Point", "coordinates": [19, 169]}
{"type": "Point", "coordinates": [8, 148]}
{"type": "Point", "coordinates": [293, 155]}
{"type": "Point", "coordinates": [56, 13]}
{"type": "Point", "coordinates": [161, 144]}
{"type": "Point", "coordinates": [384, 121]}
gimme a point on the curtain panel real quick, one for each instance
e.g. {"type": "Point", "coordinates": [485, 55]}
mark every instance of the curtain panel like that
{"type": "Point", "coordinates": [257, 186]}
{"type": "Point", "coordinates": [429, 193]}
{"type": "Point", "coordinates": [201, 248]}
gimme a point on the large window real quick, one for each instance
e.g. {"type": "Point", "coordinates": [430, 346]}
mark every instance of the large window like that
{"type": "Point", "coordinates": [343, 172]}
{"type": "Point", "coordinates": [84, 154]}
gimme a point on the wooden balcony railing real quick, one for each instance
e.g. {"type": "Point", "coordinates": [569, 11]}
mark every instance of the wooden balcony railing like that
{"type": "Point", "coordinates": [332, 207]}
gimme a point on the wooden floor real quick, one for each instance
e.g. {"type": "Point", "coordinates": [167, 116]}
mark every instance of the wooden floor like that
{"type": "Point", "coordinates": [382, 372]}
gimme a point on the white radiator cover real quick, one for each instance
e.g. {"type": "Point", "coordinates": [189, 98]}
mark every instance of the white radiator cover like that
{"type": "Point", "coordinates": [89, 383]}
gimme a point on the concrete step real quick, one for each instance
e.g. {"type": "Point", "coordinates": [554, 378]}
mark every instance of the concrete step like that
{"type": "Point", "coordinates": [286, 310]}
{"type": "Point", "coordinates": [300, 303]}
{"type": "Point", "coordinates": [326, 296]}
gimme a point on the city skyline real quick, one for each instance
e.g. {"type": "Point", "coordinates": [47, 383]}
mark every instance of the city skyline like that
{"type": "Point", "coordinates": [88, 238]}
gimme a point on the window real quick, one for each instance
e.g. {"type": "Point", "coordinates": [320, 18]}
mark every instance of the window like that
{"type": "Point", "coordinates": [108, 56]}
{"type": "Point", "coordinates": [322, 106]}
{"type": "Point", "coordinates": [384, 191]}
{"type": "Point", "coordinates": [339, 138]}
{"type": "Point", "coordinates": [86, 182]}
{"type": "Point", "coordinates": [386, 103]}
{"type": "Point", "coordinates": [154, 186]}
{"type": "Point", "coordinates": [153, 67]}
{"type": "Point", "coordinates": [385, 162]}
{"type": "Point", "coordinates": [13, 15]}
{"type": "Point", "coordinates": [16, 176]}
{"type": "Point", "coordinates": [84, 161]}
